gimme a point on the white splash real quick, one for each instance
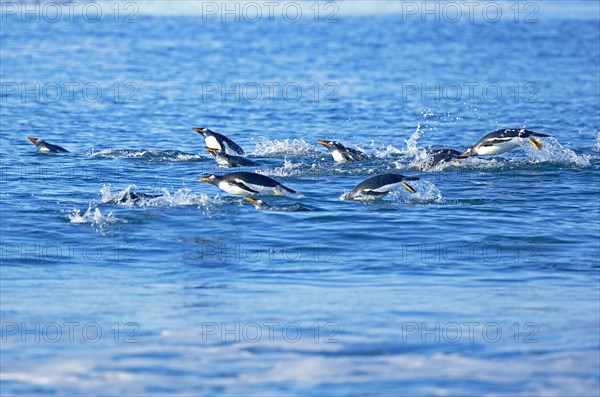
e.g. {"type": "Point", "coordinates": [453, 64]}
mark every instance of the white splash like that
{"type": "Point", "coordinates": [276, 148]}
{"type": "Point", "coordinates": [412, 148]}
{"type": "Point", "coordinates": [552, 151]}
{"type": "Point", "coordinates": [288, 168]}
{"type": "Point", "coordinates": [92, 215]}
{"type": "Point", "coordinates": [181, 197]}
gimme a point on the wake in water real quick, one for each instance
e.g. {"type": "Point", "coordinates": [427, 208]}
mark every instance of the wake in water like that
{"type": "Point", "coordinates": [152, 155]}
{"type": "Point", "coordinates": [130, 197]}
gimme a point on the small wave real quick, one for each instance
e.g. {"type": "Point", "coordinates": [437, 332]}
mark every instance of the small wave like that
{"type": "Point", "coordinates": [597, 147]}
{"type": "Point", "coordinates": [92, 215]}
{"type": "Point", "coordinates": [147, 154]}
{"type": "Point", "coordinates": [285, 148]}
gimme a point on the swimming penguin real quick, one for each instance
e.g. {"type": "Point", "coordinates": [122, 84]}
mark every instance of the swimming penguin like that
{"type": "Point", "coordinates": [258, 204]}
{"type": "Point", "coordinates": [45, 147]}
{"type": "Point", "coordinates": [437, 156]}
{"type": "Point", "coordinates": [223, 158]}
{"type": "Point", "coordinates": [247, 183]}
{"type": "Point", "coordinates": [342, 153]}
{"type": "Point", "coordinates": [502, 141]}
{"type": "Point", "coordinates": [218, 141]}
{"type": "Point", "coordinates": [261, 205]}
{"type": "Point", "coordinates": [131, 198]}
{"type": "Point", "coordinates": [380, 185]}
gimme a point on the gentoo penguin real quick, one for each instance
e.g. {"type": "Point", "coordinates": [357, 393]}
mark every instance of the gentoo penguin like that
{"type": "Point", "coordinates": [436, 156]}
{"type": "Point", "coordinates": [380, 185]}
{"type": "Point", "coordinates": [258, 204]}
{"type": "Point", "coordinates": [247, 183]}
{"type": "Point", "coordinates": [45, 147]}
{"type": "Point", "coordinates": [261, 205]}
{"type": "Point", "coordinates": [225, 159]}
{"type": "Point", "coordinates": [341, 153]}
{"type": "Point", "coordinates": [132, 198]}
{"type": "Point", "coordinates": [217, 141]}
{"type": "Point", "coordinates": [502, 141]}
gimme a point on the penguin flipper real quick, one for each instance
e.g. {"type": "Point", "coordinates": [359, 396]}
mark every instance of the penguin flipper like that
{"type": "Point", "coordinates": [243, 186]}
{"type": "Point", "coordinates": [234, 146]}
{"type": "Point", "coordinates": [540, 135]}
{"type": "Point", "coordinates": [493, 142]}
{"type": "Point", "coordinates": [279, 188]}
{"type": "Point", "coordinates": [372, 192]}
{"type": "Point", "coordinates": [354, 155]}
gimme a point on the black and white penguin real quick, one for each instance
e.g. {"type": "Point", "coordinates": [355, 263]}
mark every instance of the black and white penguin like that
{"type": "Point", "coordinates": [45, 147]}
{"type": "Point", "coordinates": [218, 141]}
{"type": "Point", "coordinates": [380, 185]}
{"type": "Point", "coordinates": [502, 141]}
{"type": "Point", "coordinates": [247, 183]}
{"type": "Point", "coordinates": [341, 153]}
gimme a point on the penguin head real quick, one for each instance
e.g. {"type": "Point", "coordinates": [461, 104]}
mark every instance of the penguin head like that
{"type": "Point", "coordinates": [33, 140]}
{"type": "Point", "coordinates": [202, 131]}
{"type": "Point", "coordinates": [216, 152]}
{"type": "Point", "coordinates": [331, 145]}
{"type": "Point", "coordinates": [258, 204]}
{"type": "Point", "coordinates": [470, 152]}
{"type": "Point", "coordinates": [212, 179]}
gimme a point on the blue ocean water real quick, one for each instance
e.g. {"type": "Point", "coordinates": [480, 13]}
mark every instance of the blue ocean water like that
{"type": "Point", "coordinates": [486, 281]}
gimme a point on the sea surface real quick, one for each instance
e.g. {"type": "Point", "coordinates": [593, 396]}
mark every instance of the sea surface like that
{"type": "Point", "coordinates": [483, 282]}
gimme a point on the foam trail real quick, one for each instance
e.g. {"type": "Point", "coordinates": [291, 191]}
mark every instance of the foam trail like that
{"type": "Point", "coordinates": [147, 154]}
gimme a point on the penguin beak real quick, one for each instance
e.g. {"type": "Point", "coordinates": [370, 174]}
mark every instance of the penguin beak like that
{"type": "Point", "coordinates": [536, 144]}
{"type": "Point", "coordinates": [34, 140]}
{"type": "Point", "coordinates": [209, 149]}
{"type": "Point", "coordinates": [203, 179]}
{"type": "Point", "coordinates": [199, 130]}
{"type": "Point", "coordinates": [250, 199]}
{"type": "Point", "coordinates": [324, 143]}
{"type": "Point", "coordinates": [408, 187]}
{"type": "Point", "coordinates": [465, 154]}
